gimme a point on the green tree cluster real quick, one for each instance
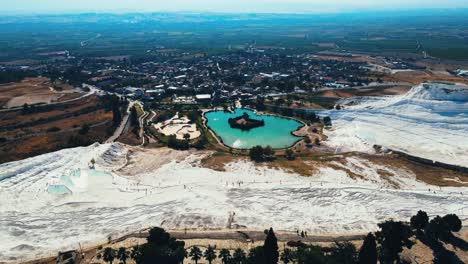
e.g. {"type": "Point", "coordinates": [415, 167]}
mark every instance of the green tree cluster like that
{"type": "Point", "coordinates": [260, 154]}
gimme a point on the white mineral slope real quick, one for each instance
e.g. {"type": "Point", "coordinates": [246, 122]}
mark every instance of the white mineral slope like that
{"type": "Point", "coordinates": [181, 195]}
{"type": "Point", "coordinates": [430, 121]}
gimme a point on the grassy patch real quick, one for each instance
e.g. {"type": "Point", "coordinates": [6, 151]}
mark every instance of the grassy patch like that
{"type": "Point", "coordinates": [298, 165]}
{"type": "Point", "coordinates": [139, 110]}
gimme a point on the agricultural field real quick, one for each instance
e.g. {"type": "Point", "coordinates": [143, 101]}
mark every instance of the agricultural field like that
{"type": "Point", "coordinates": [24, 134]}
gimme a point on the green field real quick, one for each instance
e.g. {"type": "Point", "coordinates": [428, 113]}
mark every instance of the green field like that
{"type": "Point", "coordinates": [442, 34]}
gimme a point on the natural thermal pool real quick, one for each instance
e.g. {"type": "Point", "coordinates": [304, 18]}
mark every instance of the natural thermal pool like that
{"type": "Point", "coordinates": [276, 132]}
{"type": "Point", "coordinates": [78, 181]}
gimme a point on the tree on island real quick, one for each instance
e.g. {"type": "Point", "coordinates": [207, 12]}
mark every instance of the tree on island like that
{"type": "Point", "coordinates": [244, 122]}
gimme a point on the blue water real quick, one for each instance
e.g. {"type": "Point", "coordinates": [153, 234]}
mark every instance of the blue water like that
{"type": "Point", "coordinates": [58, 189]}
{"type": "Point", "coordinates": [276, 132]}
{"type": "Point", "coordinates": [66, 184]}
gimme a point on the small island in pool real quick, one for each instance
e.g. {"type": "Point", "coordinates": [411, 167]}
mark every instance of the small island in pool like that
{"type": "Point", "coordinates": [277, 131]}
{"type": "Point", "coordinates": [244, 122]}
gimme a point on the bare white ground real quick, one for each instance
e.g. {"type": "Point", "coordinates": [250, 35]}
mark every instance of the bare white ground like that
{"type": "Point", "coordinates": [35, 222]}
{"type": "Point", "coordinates": [430, 121]}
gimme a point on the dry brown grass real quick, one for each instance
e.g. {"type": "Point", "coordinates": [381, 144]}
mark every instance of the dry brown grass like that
{"type": "Point", "coordinates": [218, 160]}
{"type": "Point", "coordinates": [302, 166]}
{"type": "Point", "coordinates": [377, 91]}
{"type": "Point", "coordinates": [417, 77]}
{"type": "Point", "coordinates": [429, 174]}
{"type": "Point", "coordinates": [299, 166]}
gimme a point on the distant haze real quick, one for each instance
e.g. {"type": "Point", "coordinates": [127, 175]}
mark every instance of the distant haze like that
{"type": "Point", "coordinates": [231, 6]}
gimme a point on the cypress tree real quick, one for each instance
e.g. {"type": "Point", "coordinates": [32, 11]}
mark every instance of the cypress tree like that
{"type": "Point", "coordinates": [368, 252]}
{"type": "Point", "coordinates": [271, 248]}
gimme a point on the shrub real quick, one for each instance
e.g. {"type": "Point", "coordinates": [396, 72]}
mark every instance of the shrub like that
{"type": "Point", "coordinates": [53, 129]}
{"type": "Point", "coordinates": [84, 129]}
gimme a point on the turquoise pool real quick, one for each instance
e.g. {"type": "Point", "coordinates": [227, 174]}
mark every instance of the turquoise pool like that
{"type": "Point", "coordinates": [79, 180]}
{"type": "Point", "coordinates": [58, 189]}
{"type": "Point", "coordinates": [276, 132]}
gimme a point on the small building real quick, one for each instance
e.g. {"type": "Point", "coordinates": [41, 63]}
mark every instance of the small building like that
{"type": "Point", "coordinates": [183, 99]}
{"type": "Point", "coordinates": [135, 92]}
{"type": "Point", "coordinates": [203, 97]}
{"type": "Point", "coordinates": [155, 91]}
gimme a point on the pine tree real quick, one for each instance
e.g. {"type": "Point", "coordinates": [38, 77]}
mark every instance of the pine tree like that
{"type": "Point", "coordinates": [453, 222]}
{"type": "Point", "coordinates": [419, 221]}
{"type": "Point", "coordinates": [392, 237]}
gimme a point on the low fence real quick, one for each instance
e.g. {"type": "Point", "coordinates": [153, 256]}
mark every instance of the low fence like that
{"type": "Point", "coordinates": [429, 162]}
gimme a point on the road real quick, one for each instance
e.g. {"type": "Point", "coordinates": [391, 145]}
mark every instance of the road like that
{"type": "Point", "coordinates": [122, 124]}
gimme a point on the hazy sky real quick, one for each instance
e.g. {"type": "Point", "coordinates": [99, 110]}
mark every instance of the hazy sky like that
{"type": "Point", "coordinates": [274, 6]}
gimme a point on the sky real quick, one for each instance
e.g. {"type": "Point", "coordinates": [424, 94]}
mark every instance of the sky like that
{"type": "Point", "coordinates": [230, 6]}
